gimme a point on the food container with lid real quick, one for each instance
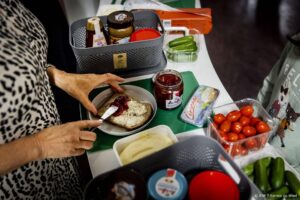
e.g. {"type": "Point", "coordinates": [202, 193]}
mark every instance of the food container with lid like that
{"type": "Point", "coordinates": [182, 44]}
{"type": "Point", "coordinates": [242, 146]}
{"type": "Point", "coordinates": [142, 144]}
{"type": "Point", "coordinates": [167, 184]}
{"type": "Point", "coordinates": [120, 26]}
{"type": "Point", "coordinates": [168, 89]}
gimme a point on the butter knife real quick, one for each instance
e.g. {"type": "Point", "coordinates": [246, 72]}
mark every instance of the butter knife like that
{"type": "Point", "coordinates": [110, 111]}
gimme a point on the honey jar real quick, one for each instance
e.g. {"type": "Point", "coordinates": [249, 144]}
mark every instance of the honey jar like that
{"type": "Point", "coordinates": [120, 26]}
{"type": "Point", "coordinates": [168, 89]}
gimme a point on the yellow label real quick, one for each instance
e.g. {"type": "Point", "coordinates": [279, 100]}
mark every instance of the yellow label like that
{"type": "Point", "coordinates": [120, 60]}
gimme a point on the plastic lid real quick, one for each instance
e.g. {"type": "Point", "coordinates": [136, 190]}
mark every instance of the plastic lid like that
{"type": "Point", "coordinates": [120, 19]}
{"type": "Point", "coordinates": [213, 185]}
{"type": "Point", "coordinates": [167, 184]}
{"type": "Point", "coordinates": [144, 34]}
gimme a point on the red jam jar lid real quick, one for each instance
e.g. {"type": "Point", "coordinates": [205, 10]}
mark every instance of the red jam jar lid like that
{"type": "Point", "coordinates": [144, 34]}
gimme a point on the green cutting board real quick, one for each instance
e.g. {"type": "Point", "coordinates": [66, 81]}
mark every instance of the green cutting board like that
{"type": "Point", "coordinates": [170, 118]}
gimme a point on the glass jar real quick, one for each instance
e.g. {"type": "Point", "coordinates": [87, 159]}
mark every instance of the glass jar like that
{"type": "Point", "coordinates": [91, 39]}
{"type": "Point", "coordinates": [168, 89]}
{"type": "Point", "coordinates": [120, 26]}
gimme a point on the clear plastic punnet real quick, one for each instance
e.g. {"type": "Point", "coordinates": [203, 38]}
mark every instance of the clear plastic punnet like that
{"type": "Point", "coordinates": [244, 146]}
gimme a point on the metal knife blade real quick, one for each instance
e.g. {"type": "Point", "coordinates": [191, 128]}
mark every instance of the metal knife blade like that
{"type": "Point", "coordinates": [110, 111]}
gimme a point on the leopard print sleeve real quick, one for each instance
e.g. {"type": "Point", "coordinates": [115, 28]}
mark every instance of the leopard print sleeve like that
{"type": "Point", "coordinates": [27, 106]}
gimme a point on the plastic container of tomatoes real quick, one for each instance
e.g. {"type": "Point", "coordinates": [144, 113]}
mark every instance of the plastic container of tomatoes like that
{"type": "Point", "coordinates": [241, 127]}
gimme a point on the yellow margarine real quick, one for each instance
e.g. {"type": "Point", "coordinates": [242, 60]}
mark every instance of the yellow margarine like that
{"type": "Point", "coordinates": [146, 144]}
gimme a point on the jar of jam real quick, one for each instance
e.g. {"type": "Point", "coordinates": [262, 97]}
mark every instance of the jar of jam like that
{"type": "Point", "coordinates": [120, 26]}
{"type": "Point", "coordinates": [168, 89]}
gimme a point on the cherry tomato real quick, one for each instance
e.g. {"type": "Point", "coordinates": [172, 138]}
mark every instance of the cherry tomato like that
{"type": "Point", "coordinates": [225, 137]}
{"type": "Point", "coordinates": [262, 127]}
{"type": "Point", "coordinates": [247, 110]}
{"type": "Point", "coordinates": [233, 116]}
{"type": "Point", "coordinates": [249, 131]}
{"type": "Point", "coordinates": [225, 126]}
{"type": "Point", "coordinates": [244, 151]}
{"type": "Point", "coordinates": [236, 127]}
{"type": "Point", "coordinates": [254, 121]}
{"type": "Point", "coordinates": [251, 143]}
{"type": "Point", "coordinates": [221, 133]}
{"type": "Point", "coordinates": [236, 150]}
{"type": "Point", "coordinates": [245, 121]}
{"type": "Point", "coordinates": [233, 137]}
{"type": "Point", "coordinates": [241, 136]}
{"type": "Point", "coordinates": [219, 118]}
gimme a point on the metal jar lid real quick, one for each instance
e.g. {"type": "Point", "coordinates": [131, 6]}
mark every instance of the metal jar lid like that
{"type": "Point", "coordinates": [120, 19]}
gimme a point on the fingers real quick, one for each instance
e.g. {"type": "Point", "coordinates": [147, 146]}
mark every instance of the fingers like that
{"type": "Point", "coordinates": [87, 135]}
{"type": "Point", "coordinates": [87, 123]}
{"type": "Point", "coordinates": [85, 145]}
{"type": "Point", "coordinates": [116, 86]}
{"type": "Point", "coordinates": [111, 77]}
{"type": "Point", "coordinates": [78, 152]}
{"type": "Point", "coordinates": [88, 104]}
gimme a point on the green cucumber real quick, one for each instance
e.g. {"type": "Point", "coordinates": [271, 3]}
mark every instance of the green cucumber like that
{"type": "Point", "coordinates": [267, 161]}
{"type": "Point", "coordinates": [261, 178]}
{"type": "Point", "coordinates": [278, 193]}
{"type": "Point", "coordinates": [248, 169]}
{"type": "Point", "coordinates": [181, 40]}
{"type": "Point", "coordinates": [277, 173]}
{"type": "Point", "coordinates": [186, 46]}
{"type": "Point", "coordinates": [293, 182]}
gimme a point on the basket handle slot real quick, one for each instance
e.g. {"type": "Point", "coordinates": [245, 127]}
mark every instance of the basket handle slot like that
{"type": "Point", "coordinates": [229, 169]}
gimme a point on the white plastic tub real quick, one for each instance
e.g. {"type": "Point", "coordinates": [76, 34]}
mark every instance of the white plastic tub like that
{"type": "Point", "coordinates": [121, 144]}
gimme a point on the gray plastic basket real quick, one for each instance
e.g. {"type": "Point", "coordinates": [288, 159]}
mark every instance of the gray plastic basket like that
{"type": "Point", "coordinates": [190, 157]}
{"type": "Point", "coordinates": [142, 57]}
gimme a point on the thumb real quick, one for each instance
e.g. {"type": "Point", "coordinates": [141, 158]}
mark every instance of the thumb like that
{"type": "Point", "coordinates": [89, 105]}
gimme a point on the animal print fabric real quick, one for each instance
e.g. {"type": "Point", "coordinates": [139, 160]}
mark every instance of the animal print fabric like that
{"type": "Point", "coordinates": [27, 106]}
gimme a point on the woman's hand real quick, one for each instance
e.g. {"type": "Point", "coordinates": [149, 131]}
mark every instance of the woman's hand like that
{"type": "Point", "coordinates": [80, 85]}
{"type": "Point", "coordinates": [66, 140]}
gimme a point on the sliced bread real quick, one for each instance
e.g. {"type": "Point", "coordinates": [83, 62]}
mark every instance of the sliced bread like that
{"type": "Point", "coordinates": [137, 114]}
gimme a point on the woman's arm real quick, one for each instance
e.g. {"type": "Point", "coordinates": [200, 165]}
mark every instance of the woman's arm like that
{"type": "Point", "coordinates": [18, 152]}
{"type": "Point", "coordinates": [80, 85]}
{"type": "Point", "coordinates": [64, 140]}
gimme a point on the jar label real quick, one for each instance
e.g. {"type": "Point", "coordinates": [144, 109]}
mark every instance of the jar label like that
{"type": "Point", "coordinates": [120, 17]}
{"type": "Point", "coordinates": [168, 186]}
{"type": "Point", "coordinates": [175, 101]}
{"type": "Point", "coordinates": [120, 60]}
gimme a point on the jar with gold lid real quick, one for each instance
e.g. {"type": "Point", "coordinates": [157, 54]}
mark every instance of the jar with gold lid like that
{"type": "Point", "coordinates": [120, 26]}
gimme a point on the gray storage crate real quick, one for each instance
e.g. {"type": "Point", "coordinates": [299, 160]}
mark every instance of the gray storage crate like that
{"type": "Point", "coordinates": [142, 57]}
{"type": "Point", "coordinates": [191, 156]}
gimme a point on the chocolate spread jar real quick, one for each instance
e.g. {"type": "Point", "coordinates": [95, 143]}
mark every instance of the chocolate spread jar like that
{"type": "Point", "coordinates": [168, 89]}
{"type": "Point", "coordinates": [120, 26]}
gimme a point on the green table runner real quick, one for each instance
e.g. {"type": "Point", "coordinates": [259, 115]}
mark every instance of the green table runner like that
{"type": "Point", "coordinates": [170, 118]}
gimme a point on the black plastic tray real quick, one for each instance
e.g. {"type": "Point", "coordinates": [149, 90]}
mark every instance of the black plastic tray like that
{"type": "Point", "coordinates": [190, 156]}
